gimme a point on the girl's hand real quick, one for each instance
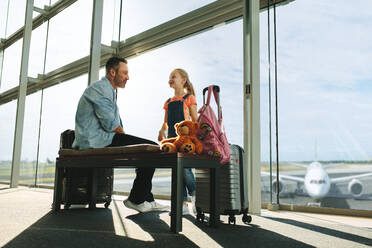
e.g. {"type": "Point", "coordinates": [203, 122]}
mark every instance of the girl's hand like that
{"type": "Point", "coordinates": [161, 135]}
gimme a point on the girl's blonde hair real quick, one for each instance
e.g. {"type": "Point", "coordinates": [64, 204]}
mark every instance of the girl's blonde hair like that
{"type": "Point", "coordinates": [188, 85]}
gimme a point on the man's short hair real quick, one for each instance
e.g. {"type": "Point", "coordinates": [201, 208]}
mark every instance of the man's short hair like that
{"type": "Point", "coordinates": [113, 62]}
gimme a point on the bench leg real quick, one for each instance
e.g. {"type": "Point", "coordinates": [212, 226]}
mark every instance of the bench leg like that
{"type": "Point", "coordinates": [176, 197]}
{"type": "Point", "coordinates": [57, 196]}
{"type": "Point", "coordinates": [93, 188]}
{"type": "Point", "coordinates": [214, 196]}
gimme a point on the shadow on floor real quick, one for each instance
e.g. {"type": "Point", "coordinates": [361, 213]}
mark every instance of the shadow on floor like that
{"type": "Point", "coordinates": [88, 228]}
{"type": "Point", "coordinates": [324, 230]}
{"type": "Point", "coordinates": [229, 235]}
{"type": "Point", "coordinates": [225, 235]}
{"type": "Point", "coordinates": [95, 228]}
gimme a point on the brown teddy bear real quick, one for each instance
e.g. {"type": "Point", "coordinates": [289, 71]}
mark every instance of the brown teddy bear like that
{"type": "Point", "coordinates": [185, 141]}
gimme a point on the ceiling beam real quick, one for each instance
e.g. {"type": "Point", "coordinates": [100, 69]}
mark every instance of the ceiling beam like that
{"type": "Point", "coordinates": [199, 20]}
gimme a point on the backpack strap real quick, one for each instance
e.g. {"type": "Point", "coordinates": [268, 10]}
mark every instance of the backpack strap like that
{"type": "Point", "coordinates": [185, 96]}
{"type": "Point", "coordinates": [212, 89]}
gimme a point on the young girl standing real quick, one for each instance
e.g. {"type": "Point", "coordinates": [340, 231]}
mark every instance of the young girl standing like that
{"type": "Point", "coordinates": [182, 106]}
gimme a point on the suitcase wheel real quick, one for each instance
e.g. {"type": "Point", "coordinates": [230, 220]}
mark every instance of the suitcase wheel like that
{"type": "Point", "coordinates": [200, 216]}
{"type": "Point", "coordinates": [246, 219]}
{"type": "Point", "coordinates": [232, 219]}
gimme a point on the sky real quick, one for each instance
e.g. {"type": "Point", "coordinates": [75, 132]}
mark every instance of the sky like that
{"type": "Point", "coordinates": [324, 78]}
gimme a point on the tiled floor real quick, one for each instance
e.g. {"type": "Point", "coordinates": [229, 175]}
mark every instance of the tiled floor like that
{"type": "Point", "coordinates": [26, 220]}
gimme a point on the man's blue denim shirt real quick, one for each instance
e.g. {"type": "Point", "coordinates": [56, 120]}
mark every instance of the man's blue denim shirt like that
{"type": "Point", "coordinates": [97, 116]}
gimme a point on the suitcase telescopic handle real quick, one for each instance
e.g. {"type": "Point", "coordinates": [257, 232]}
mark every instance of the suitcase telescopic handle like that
{"type": "Point", "coordinates": [215, 87]}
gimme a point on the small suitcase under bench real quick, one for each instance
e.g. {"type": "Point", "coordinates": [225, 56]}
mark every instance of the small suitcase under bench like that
{"type": "Point", "coordinates": [76, 181]}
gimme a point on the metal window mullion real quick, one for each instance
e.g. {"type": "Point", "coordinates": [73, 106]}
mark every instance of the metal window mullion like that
{"type": "Point", "coordinates": [95, 42]}
{"type": "Point", "coordinates": [270, 125]}
{"type": "Point", "coordinates": [276, 110]}
{"type": "Point", "coordinates": [17, 145]}
{"type": "Point", "coordinates": [2, 48]}
{"type": "Point", "coordinates": [1, 65]}
{"type": "Point", "coordinates": [41, 102]}
{"type": "Point", "coordinates": [252, 139]}
{"type": "Point", "coordinates": [120, 20]}
{"type": "Point", "coordinates": [7, 18]}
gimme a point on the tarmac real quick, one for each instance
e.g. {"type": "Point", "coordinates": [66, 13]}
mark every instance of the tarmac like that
{"type": "Point", "coordinates": [26, 220]}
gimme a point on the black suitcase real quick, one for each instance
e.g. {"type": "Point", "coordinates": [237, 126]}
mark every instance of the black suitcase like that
{"type": "Point", "coordinates": [233, 198]}
{"type": "Point", "coordinates": [76, 180]}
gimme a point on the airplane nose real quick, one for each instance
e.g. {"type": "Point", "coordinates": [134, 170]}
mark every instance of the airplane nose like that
{"type": "Point", "coordinates": [316, 192]}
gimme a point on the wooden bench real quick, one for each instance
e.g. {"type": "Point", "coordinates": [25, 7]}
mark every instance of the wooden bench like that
{"type": "Point", "coordinates": [136, 156]}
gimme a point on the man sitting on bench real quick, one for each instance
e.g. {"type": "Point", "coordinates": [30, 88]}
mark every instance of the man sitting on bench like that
{"type": "Point", "coordinates": [98, 124]}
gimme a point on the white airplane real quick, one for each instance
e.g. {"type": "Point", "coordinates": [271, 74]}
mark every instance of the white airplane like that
{"type": "Point", "coordinates": [318, 183]}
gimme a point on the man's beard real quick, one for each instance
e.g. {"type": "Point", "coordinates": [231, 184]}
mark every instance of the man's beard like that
{"type": "Point", "coordinates": [118, 83]}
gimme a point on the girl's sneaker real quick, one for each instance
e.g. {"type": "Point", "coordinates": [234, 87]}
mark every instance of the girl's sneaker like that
{"type": "Point", "coordinates": [185, 210]}
{"type": "Point", "coordinates": [193, 199]}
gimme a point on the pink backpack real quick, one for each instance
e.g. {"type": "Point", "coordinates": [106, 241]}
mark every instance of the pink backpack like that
{"type": "Point", "coordinates": [211, 131]}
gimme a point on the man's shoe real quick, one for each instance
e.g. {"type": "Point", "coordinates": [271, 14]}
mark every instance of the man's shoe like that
{"type": "Point", "coordinates": [155, 206]}
{"type": "Point", "coordinates": [142, 207]}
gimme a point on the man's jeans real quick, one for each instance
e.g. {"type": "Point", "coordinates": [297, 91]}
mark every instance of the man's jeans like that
{"type": "Point", "coordinates": [142, 185]}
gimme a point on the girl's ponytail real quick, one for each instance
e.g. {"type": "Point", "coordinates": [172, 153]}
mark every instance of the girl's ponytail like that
{"type": "Point", "coordinates": [188, 85]}
{"type": "Point", "coordinates": [190, 88]}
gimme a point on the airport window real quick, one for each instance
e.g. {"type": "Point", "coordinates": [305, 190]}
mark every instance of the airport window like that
{"type": "Point", "coordinates": [268, 151]}
{"type": "Point", "coordinates": [153, 13]}
{"type": "Point", "coordinates": [3, 13]}
{"type": "Point", "coordinates": [68, 39]}
{"type": "Point", "coordinates": [110, 22]}
{"type": "Point", "coordinates": [11, 66]}
{"type": "Point", "coordinates": [324, 94]}
{"type": "Point", "coordinates": [7, 120]}
{"type": "Point", "coordinates": [14, 16]}
{"type": "Point", "coordinates": [39, 4]}
{"type": "Point", "coordinates": [37, 51]}
{"type": "Point", "coordinates": [205, 64]}
{"type": "Point", "coordinates": [30, 139]}
{"type": "Point", "coordinates": [59, 107]}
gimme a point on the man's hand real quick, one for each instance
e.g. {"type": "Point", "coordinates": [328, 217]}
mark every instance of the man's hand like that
{"type": "Point", "coordinates": [119, 129]}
